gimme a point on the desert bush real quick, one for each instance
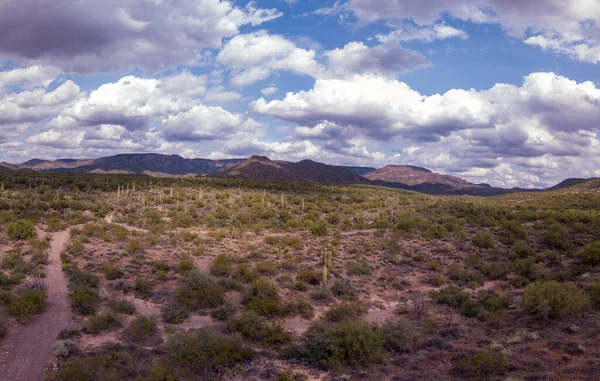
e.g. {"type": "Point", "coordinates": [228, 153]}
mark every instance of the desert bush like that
{"type": "Point", "coordinates": [15, 262]}
{"type": "Point", "coordinates": [263, 298]}
{"type": "Point", "coordinates": [310, 276]}
{"type": "Point", "coordinates": [400, 336]}
{"type": "Point", "coordinates": [221, 266]}
{"type": "Point", "coordinates": [134, 247]}
{"type": "Point", "coordinates": [102, 322]}
{"type": "Point", "coordinates": [84, 299]}
{"type": "Point", "coordinates": [409, 222]}
{"type": "Point", "coordinates": [111, 272]}
{"type": "Point", "coordinates": [512, 231]}
{"type": "Point", "coordinates": [81, 278]}
{"type": "Point", "coordinates": [344, 288]}
{"type": "Point", "coordinates": [266, 268]}
{"type": "Point", "coordinates": [142, 288]}
{"type": "Point", "coordinates": [300, 306]}
{"type": "Point", "coordinates": [522, 250]}
{"type": "Point", "coordinates": [185, 265]}
{"type": "Point", "coordinates": [483, 240]}
{"type": "Point", "coordinates": [252, 326]}
{"type": "Point", "coordinates": [142, 331]}
{"type": "Point", "coordinates": [452, 296]}
{"type": "Point", "coordinates": [207, 352]}
{"type": "Point", "coordinates": [114, 365]}
{"type": "Point", "coordinates": [436, 231]}
{"type": "Point", "coordinates": [200, 290]}
{"type": "Point", "coordinates": [556, 236]}
{"type": "Point", "coordinates": [482, 365]}
{"type": "Point", "coordinates": [20, 229]}
{"type": "Point", "coordinates": [360, 268]}
{"type": "Point", "coordinates": [348, 343]}
{"type": "Point", "coordinates": [341, 311]}
{"type": "Point", "coordinates": [174, 314]}
{"type": "Point", "coordinates": [224, 312]}
{"type": "Point", "coordinates": [552, 299]}
{"type": "Point", "coordinates": [122, 306]}
{"type": "Point", "coordinates": [63, 349]}
{"type": "Point", "coordinates": [26, 303]}
{"type": "Point", "coordinates": [590, 254]}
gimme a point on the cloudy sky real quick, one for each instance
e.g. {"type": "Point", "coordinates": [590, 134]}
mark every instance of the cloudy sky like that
{"type": "Point", "coordinates": [499, 91]}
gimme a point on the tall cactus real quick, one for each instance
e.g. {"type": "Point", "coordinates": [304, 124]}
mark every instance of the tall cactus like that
{"type": "Point", "coordinates": [326, 262]}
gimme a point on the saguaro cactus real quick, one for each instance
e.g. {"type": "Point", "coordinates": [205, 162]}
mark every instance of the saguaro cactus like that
{"type": "Point", "coordinates": [326, 262]}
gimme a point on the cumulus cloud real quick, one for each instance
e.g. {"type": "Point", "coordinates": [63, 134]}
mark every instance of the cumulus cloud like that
{"type": "Point", "coordinates": [565, 27]}
{"type": "Point", "coordinates": [28, 77]}
{"type": "Point", "coordinates": [90, 36]}
{"type": "Point", "coordinates": [255, 56]}
{"type": "Point", "coordinates": [548, 116]}
{"type": "Point", "coordinates": [388, 58]}
{"type": "Point", "coordinates": [143, 114]}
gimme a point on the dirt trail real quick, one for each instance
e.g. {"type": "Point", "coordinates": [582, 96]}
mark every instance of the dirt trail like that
{"type": "Point", "coordinates": [32, 343]}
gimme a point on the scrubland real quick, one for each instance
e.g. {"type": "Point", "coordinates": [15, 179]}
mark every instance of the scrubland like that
{"type": "Point", "coordinates": [203, 279]}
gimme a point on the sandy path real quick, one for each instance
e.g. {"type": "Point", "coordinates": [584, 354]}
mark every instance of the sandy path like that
{"type": "Point", "coordinates": [32, 343]}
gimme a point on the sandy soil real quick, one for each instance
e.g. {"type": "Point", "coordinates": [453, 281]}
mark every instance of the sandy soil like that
{"type": "Point", "coordinates": [31, 344]}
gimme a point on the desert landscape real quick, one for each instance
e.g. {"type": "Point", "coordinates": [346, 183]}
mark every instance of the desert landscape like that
{"type": "Point", "coordinates": [130, 277]}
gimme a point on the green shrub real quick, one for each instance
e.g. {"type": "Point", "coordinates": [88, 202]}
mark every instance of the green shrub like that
{"type": "Point", "coordinates": [16, 263]}
{"type": "Point", "coordinates": [452, 296]}
{"type": "Point", "coordinates": [134, 247]}
{"type": "Point", "coordinates": [221, 266]}
{"type": "Point", "coordinates": [482, 365]}
{"type": "Point", "coordinates": [436, 231]}
{"type": "Point", "coordinates": [344, 288]}
{"type": "Point", "coordinates": [200, 290]}
{"type": "Point", "coordinates": [142, 331]}
{"type": "Point", "coordinates": [174, 314]}
{"type": "Point", "coordinates": [483, 240]}
{"type": "Point", "coordinates": [348, 343]}
{"type": "Point", "coordinates": [254, 327]}
{"type": "Point", "coordinates": [522, 250]}
{"type": "Point", "coordinates": [142, 288]}
{"type": "Point", "coordinates": [21, 229]}
{"type": "Point", "coordinates": [360, 268]}
{"type": "Point", "coordinates": [207, 352]}
{"type": "Point", "coordinates": [224, 312]}
{"type": "Point", "coordinates": [309, 276]}
{"type": "Point", "coordinates": [552, 299]}
{"type": "Point", "coordinates": [112, 272]}
{"type": "Point", "coordinates": [185, 266]}
{"type": "Point", "coordinates": [341, 311]}
{"type": "Point", "coordinates": [590, 254]}
{"type": "Point", "coordinates": [82, 278]}
{"type": "Point", "coordinates": [400, 336]}
{"type": "Point", "coordinates": [263, 298]}
{"type": "Point", "coordinates": [122, 306]}
{"type": "Point", "coordinates": [26, 303]}
{"type": "Point", "coordinates": [556, 236]}
{"type": "Point", "coordinates": [102, 322]}
{"type": "Point", "coordinates": [512, 231]}
{"type": "Point", "coordinates": [84, 299]}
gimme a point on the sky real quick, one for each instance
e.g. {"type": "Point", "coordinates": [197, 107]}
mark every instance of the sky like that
{"type": "Point", "coordinates": [504, 92]}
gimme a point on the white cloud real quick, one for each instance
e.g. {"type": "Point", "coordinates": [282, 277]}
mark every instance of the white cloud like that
{"type": "Point", "coordinates": [258, 55]}
{"type": "Point", "coordinates": [439, 31]}
{"type": "Point", "coordinates": [90, 36]}
{"type": "Point", "coordinates": [565, 27]}
{"type": "Point", "coordinates": [389, 58]}
{"type": "Point", "coordinates": [269, 90]}
{"type": "Point", "coordinates": [549, 117]}
{"type": "Point", "coordinates": [28, 77]}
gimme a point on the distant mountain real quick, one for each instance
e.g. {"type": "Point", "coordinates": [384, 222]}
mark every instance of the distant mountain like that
{"type": "Point", "coordinates": [323, 173]}
{"type": "Point", "coordinates": [412, 176]}
{"type": "Point", "coordinates": [150, 163]}
{"type": "Point", "coordinates": [407, 177]}
{"type": "Point", "coordinates": [259, 168]}
{"type": "Point", "coordinates": [360, 170]}
{"type": "Point", "coordinates": [5, 167]}
{"type": "Point", "coordinates": [577, 185]}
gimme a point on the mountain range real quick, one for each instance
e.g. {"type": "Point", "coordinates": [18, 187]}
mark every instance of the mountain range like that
{"type": "Point", "coordinates": [262, 168]}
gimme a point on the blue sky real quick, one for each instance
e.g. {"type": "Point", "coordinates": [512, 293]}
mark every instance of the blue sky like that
{"type": "Point", "coordinates": [499, 91]}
